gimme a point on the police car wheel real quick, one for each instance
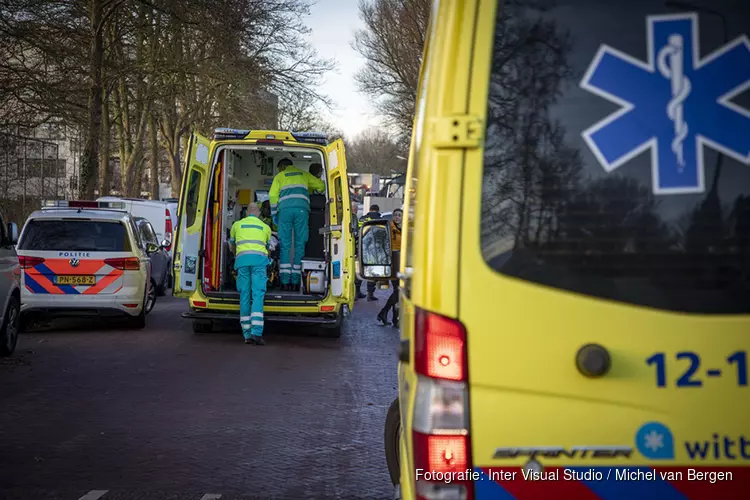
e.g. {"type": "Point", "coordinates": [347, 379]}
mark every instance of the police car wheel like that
{"type": "Point", "coordinates": [392, 437]}
{"type": "Point", "coordinates": [151, 297]}
{"type": "Point", "coordinates": [9, 328]}
{"type": "Point", "coordinates": [138, 322]}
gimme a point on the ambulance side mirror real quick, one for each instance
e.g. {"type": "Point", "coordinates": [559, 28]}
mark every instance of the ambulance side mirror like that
{"type": "Point", "coordinates": [375, 261]}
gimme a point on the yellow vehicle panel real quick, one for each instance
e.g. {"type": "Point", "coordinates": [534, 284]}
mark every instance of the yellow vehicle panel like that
{"type": "Point", "coordinates": [596, 383]}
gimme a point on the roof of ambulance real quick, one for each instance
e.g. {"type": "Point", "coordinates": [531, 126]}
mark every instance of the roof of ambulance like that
{"type": "Point", "coordinates": [80, 213]}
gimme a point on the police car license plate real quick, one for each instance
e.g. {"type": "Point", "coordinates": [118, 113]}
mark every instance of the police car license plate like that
{"type": "Point", "coordinates": [75, 280]}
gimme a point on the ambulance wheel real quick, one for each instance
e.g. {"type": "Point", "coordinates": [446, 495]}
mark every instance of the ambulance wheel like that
{"type": "Point", "coordinates": [334, 331]}
{"type": "Point", "coordinates": [392, 438]}
{"type": "Point", "coordinates": [202, 326]}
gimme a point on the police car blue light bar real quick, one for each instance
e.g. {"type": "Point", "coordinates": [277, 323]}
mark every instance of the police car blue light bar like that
{"type": "Point", "coordinates": [83, 204]}
{"type": "Point", "coordinates": [230, 133]}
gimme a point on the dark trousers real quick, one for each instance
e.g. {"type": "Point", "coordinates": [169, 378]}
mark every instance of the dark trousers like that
{"type": "Point", "coordinates": [392, 301]}
{"type": "Point", "coordinates": [370, 286]}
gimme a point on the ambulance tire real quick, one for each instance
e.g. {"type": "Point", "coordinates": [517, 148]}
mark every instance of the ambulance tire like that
{"type": "Point", "coordinates": [392, 437]}
{"type": "Point", "coordinates": [202, 326]}
{"type": "Point", "coordinates": [334, 331]}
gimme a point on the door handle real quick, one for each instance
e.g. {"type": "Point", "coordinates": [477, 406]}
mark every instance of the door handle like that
{"type": "Point", "coordinates": [406, 274]}
{"type": "Point", "coordinates": [404, 351]}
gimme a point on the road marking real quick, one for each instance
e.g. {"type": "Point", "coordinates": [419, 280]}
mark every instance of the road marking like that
{"type": "Point", "coordinates": [211, 496]}
{"type": "Point", "coordinates": [94, 495]}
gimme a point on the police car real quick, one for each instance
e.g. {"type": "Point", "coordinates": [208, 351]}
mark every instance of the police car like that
{"type": "Point", "coordinates": [83, 258]}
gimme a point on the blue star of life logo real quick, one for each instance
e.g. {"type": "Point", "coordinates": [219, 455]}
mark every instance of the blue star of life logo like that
{"type": "Point", "coordinates": [673, 105]}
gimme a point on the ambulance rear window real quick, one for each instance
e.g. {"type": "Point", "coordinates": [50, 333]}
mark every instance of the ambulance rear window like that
{"type": "Point", "coordinates": [75, 235]}
{"type": "Point", "coordinates": [617, 151]}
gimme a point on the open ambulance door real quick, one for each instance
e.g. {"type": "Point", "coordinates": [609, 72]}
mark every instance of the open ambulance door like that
{"type": "Point", "coordinates": [342, 242]}
{"type": "Point", "coordinates": [190, 214]}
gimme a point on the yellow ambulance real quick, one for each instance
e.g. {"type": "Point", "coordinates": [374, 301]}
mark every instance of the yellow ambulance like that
{"type": "Point", "coordinates": [575, 268]}
{"type": "Point", "coordinates": [221, 176]}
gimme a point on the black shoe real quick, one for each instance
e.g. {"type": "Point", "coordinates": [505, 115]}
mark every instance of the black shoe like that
{"type": "Point", "coordinates": [395, 321]}
{"type": "Point", "coordinates": [371, 298]}
{"type": "Point", "coordinates": [284, 287]}
{"type": "Point", "coordinates": [383, 318]}
{"type": "Point", "coordinates": [296, 287]}
{"type": "Point", "coordinates": [360, 295]}
{"type": "Point", "coordinates": [257, 340]}
{"type": "Point", "coordinates": [249, 341]}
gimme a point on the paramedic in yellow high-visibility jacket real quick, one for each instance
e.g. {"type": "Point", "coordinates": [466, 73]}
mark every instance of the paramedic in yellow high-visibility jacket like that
{"type": "Point", "coordinates": [249, 237]}
{"type": "Point", "coordinates": [290, 208]}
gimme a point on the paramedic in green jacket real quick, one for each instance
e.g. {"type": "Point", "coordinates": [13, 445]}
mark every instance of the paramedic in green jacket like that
{"type": "Point", "coordinates": [290, 207]}
{"type": "Point", "coordinates": [249, 237]}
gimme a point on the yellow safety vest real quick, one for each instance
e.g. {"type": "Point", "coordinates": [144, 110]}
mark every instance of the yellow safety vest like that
{"type": "Point", "coordinates": [250, 235]}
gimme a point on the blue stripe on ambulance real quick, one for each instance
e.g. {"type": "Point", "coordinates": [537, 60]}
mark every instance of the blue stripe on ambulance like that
{"type": "Point", "coordinates": [485, 487]}
{"type": "Point", "coordinates": [656, 489]}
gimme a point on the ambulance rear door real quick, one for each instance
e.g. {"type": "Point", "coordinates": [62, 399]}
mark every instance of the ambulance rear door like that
{"type": "Point", "coordinates": [342, 244]}
{"type": "Point", "coordinates": [191, 212]}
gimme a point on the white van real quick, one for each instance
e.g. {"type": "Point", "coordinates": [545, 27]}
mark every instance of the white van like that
{"type": "Point", "coordinates": [158, 213]}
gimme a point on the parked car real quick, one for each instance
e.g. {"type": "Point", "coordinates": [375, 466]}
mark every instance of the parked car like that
{"type": "Point", "coordinates": [161, 214]}
{"type": "Point", "coordinates": [10, 288]}
{"type": "Point", "coordinates": [83, 258]}
{"type": "Point", "coordinates": [161, 261]}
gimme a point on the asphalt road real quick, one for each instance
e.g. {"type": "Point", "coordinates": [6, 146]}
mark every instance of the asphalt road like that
{"type": "Point", "coordinates": [89, 410]}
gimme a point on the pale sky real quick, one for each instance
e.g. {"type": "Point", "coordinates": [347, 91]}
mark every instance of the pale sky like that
{"type": "Point", "coordinates": [333, 23]}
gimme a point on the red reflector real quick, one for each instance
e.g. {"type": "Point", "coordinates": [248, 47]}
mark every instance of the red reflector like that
{"type": "Point", "coordinates": [440, 453]}
{"type": "Point", "coordinates": [327, 308]}
{"type": "Point", "coordinates": [272, 142]}
{"type": "Point", "coordinates": [440, 347]}
{"type": "Point", "coordinates": [83, 204]}
{"type": "Point", "coordinates": [27, 262]}
{"type": "Point", "coordinates": [199, 303]}
{"type": "Point", "coordinates": [168, 229]}
{"type": "Point", "coordinates": [124, 263]}
{"type": "Point", "coordinates": [133, 306]}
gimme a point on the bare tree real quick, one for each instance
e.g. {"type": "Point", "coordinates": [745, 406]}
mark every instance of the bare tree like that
{"type": "Point", "coordinates": [392, 43]}
{"type": "Point", "coordinates": [375, 152]}
{"type": "Point", "coordinates": [114, 66]}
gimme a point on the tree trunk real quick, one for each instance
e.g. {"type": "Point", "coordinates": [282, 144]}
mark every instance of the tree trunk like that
{"type": "Point", "coordinates": [154, 157]}
{"type": "Point", "coordinates": [105, 172]}
{"type": "Point", "coordinates": [174, 168]}
{"type": "Point", "coordinates": [89, 168]}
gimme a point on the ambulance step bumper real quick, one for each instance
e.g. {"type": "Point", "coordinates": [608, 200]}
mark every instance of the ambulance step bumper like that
{"type": "Point", "coordinates": [280, 318]}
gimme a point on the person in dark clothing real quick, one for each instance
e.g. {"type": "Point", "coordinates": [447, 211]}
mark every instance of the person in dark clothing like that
{"type": "Point", "coordinates": [396, 249]}
{"type": "Point", "coordinates": [316, 169]}
{"type": "Point", "coordinates": [373, 214]}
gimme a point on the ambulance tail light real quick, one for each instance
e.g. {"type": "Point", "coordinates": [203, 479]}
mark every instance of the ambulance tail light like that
{"type": "Point", "coordinates": [29, 262]}
{"type": "Point", "coordinates": [168, 229]}
{"type": "Point", "coordinates": [439, 347]}
{"type": "Point", "coordinates": [440, 422]}
{"type": "Point", "coordinates": [124, 263]}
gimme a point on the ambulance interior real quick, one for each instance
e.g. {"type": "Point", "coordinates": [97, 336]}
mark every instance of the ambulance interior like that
{"type": "Point", "coordinates": [243, 174]}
